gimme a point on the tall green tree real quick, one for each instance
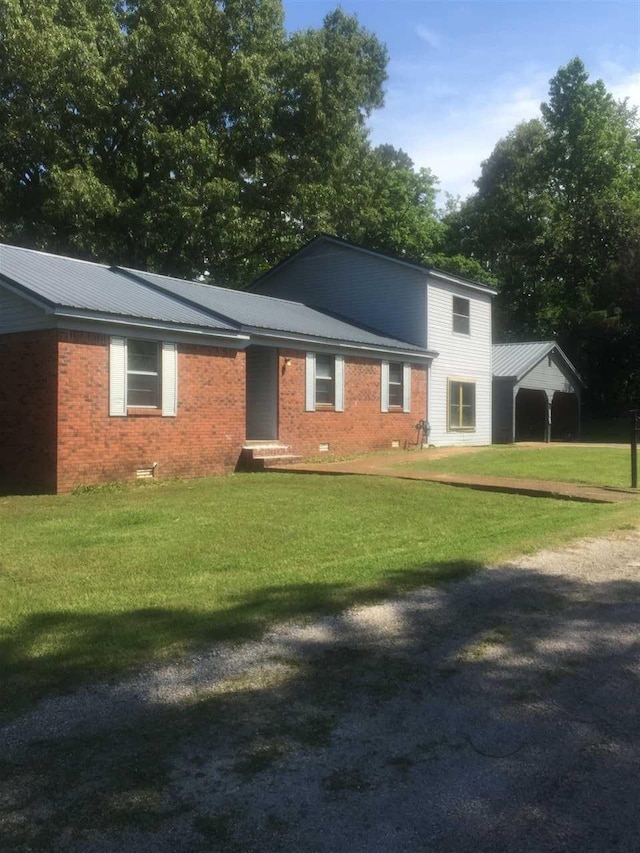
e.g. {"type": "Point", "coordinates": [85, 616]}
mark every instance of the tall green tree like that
{"type": "Point", "coordinates": [556, 219]}
{"type": "Point", "coordinates": [178, 136]}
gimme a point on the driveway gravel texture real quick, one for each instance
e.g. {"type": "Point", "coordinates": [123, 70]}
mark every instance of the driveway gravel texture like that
{"type": "Point", "coordinates": [498, 712]}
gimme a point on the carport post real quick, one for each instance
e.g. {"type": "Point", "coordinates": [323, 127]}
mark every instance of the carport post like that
{"type": "Point", "coordinates": [547, 427]}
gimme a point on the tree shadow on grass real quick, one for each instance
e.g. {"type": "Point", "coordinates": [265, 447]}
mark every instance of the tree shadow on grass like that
{"type": "Point", "coordinates": [500, 715]}
{"type": "Point", "coordinates": [54, 652]}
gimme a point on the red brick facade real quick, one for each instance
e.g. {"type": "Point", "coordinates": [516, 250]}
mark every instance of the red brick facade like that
{"type": "Point", "coordinates": [56, 432]}
{"type": "Point", "coordinates": [205, 438]}
{"type": "Point", "coordinates": [361, 426]}
{"type": "Point", "coordinates": [28, 411]}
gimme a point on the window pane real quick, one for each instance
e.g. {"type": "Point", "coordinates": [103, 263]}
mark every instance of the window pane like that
{"type": "Point", "coordinates": [461, 312]}
{"type": "Point", "coordinates": [325, 391]}
{"type": "Point", "coordinates": [462, 405]}
{"type": "Point", "coordinates": [324, 366]}
{"type": "Point", "coordinates": [143, 356]}
{"type": "Point", "coordinates": [325, 379]}
{"type": "Point", "coordinates": [395, 372]}
{"type": "Point", "coordinates": [142, 390]}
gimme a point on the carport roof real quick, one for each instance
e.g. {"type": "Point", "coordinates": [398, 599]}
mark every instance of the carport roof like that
{"type": "Point", "coordinates": [514, 361]}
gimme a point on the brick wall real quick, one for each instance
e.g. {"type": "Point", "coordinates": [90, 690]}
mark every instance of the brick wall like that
{"type": "Point", "coordinates": [205, 437]}
{"type": "Point", "coordinates": [28, 412]}
{"type": "Point", "coordinates": [362, 426]}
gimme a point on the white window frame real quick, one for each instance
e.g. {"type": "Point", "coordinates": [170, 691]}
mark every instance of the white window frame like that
{"type": "Point", "coordinates": [385, 388]}
{"type": "Point", "coordinates": [311, 404]}
{"type": "Point", "coordinates": [461, 316]}
{"type": "Point", "coordinates": [451, 427]}
{"type": "Point", "coordinates": [119, 372]}
{"type": "Point", "coordinates": [157, 373]}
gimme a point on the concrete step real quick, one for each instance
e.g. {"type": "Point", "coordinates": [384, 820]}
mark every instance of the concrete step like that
{"type": "Point", "coordinates": [258, 456]}
{"type": "Point", "coordinates": [261, 463]}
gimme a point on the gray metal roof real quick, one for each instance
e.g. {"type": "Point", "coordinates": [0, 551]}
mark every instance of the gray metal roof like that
{"type": "Point", "coordinates": [59, 283]}
{"type": "Point", "coordinates": [254, 312]}
{"type": "Point", "coordinates": [331, 238]}
{"type": "Point", "coordinates": [513, 361]}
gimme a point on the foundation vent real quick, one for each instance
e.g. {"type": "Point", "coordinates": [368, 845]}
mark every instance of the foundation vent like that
{"type": "Point", "coordinates": [395, 444]}
{"type": "Point", "coordinates": [144, 473]}
{"type": "Point", "coordinates": [324, 448]}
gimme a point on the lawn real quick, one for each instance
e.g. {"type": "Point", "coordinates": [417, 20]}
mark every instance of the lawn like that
{"type": "Point", "coordinates": [601, 466]}
{"type": "Point", "coordinates": [92, 584]}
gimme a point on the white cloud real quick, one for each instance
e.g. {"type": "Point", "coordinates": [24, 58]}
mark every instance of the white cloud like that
{"type": "Point", "coordinates": [451, 131]}
{"type": "Point", "coordinates": [429, 36]}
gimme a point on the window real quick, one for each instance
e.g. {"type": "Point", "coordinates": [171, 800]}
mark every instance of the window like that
{"type": "Point", "coordinates": [396, 396]}
{"type": "Point", "coordinates": [462, 405]}
{"type": "Point", "coordinates": [325, 380]}
{"type": "Point", "coordinates": [395, 386]}
{"type": "Point", "coordinates": [461, 314]}
{"type": "Point", "coordinates": [143, 374]}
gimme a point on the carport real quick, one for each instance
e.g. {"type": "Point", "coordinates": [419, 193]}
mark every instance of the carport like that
{"type": "Point", "coordinates": [536, 393]}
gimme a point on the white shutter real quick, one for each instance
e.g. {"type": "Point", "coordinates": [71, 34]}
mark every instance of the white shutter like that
{"type": "Point", "coordinates": [169, 380]}
{"type": "Point", "coordinates": [384, 386]}
{"type": "Point", "coordinates": [310, 371]}
{"type": "Point", "coordinates": [118, 377]}
{"type": "Point", "coordinates": [339, 362]}
{"type": "Point", "coordinates": [406, 387]}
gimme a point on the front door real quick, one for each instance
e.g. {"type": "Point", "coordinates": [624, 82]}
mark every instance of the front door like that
{"type": "Point", "coordinates": [262, 393]}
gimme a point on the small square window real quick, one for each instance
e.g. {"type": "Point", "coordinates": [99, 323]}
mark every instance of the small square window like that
{"type": "Point", "coordinates": [461, 316]}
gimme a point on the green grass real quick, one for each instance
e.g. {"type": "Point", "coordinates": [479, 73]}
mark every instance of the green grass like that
{"type": "Point", "coordinates": [93, 584]}
{"type": "Point", "coordinates": [605, 466]}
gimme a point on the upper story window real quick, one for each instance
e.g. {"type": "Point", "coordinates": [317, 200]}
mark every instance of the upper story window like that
{"type": "Point", "coordinates": [396, 383]}
{"type": "Point", "coordinates": [143, 374]}
{"type": "Point", "coordinates": [461, 315]}
{"type": "Point", "coordinates": [325, 379]}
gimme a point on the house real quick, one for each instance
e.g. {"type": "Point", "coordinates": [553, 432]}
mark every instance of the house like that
{"type": "Point", "coordinates": [429, 308]}
{"type": "Point", "coordinates": [536, 393]}
{"type": "Point", "coordinates": [110, 373]}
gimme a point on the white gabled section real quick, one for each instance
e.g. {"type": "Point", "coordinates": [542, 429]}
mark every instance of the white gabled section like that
{"type": "Point", "coordinates": [169, 379]}
{"type": "Point", "coordinates": [118, 377]}
{"type": "Point", "coordinates": [462, 357]}
{"type": "Point", "coordinates": [384, 386]}
{"type": "Point", "coordinates": [310, 389]}
{"type": "Point", "coordinates": [406, 387]}
{"type": "Point", "coordinates": [339, 366]}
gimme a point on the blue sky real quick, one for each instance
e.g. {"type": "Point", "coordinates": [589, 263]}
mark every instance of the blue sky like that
{"type": "Point", "coordinates": [463, 74]}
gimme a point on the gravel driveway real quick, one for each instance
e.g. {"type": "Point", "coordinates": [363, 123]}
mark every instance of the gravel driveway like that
{"type": "Point", "coordinates": [496, 713]}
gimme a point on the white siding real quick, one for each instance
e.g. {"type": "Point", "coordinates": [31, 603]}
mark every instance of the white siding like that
{"type": "Point", "coordinates": [461, 357]}
{"type": "Point", "coordinates": [367, 289]}
{"type": "Point", "coordinates": [548, 376]}
{"type": "Point", "coordinates": [19, 315]}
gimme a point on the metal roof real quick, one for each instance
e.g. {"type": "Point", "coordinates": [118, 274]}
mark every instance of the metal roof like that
{"type": "Point", "coordinates": [513, 361]}
{"type": "Point", "coordinates": [254, 312]}
{"type": "Point", "coordinates": [81, 288]}
{"type": "Point", "coordinates": [331, 238]}
{"type": "Point", "coordinates": [64, 283]}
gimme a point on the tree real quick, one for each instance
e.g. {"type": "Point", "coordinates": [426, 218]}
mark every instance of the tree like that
{"type": "Point", "coordinates": [183, 137]}
{"type": "Point", "coordinates": [556, 219]}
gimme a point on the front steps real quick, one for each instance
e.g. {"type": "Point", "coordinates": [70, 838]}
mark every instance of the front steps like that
{"type": "Point", "coordinates": [262, 455]}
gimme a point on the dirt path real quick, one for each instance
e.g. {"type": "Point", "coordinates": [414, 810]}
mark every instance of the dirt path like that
{"type": "Point", "coordinates": [396, 464]}
{"type": "Point", "coordinates": [496, 713]}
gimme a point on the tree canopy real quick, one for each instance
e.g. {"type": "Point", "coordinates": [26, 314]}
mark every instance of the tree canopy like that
{"type": "Point", "coordinates": [556, 219]}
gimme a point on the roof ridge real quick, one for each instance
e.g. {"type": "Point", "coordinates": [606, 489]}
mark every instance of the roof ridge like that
{"type": "Point", "coordinates": [54, 255]}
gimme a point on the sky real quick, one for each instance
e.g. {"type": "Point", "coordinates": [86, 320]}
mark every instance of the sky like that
{"type": "Point", "coordinates": [461, 75]}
